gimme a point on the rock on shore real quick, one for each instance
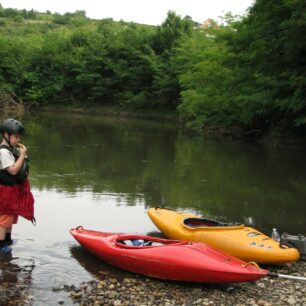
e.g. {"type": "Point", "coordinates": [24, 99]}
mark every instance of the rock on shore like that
{"type": "Point", "coordinates": [139, 290]}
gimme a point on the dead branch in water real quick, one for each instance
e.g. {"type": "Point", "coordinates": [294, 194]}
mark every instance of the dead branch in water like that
{"type": "Point", "coordinates": [10, 103]}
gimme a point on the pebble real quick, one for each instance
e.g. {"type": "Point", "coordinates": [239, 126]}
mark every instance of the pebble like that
{"type": "Point", "coordinates": [261, 285]}
{"type": "Point", "coordinates": [291, 300]}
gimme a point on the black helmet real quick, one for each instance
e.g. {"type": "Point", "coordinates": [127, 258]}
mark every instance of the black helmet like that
{"type": "Point", "coordinates": [12, 126]}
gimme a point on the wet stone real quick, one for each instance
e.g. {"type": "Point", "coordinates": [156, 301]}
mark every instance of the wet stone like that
{"type": "Point", "coordinates": [261, 285]}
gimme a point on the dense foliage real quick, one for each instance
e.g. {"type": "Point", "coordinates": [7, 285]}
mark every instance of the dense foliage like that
{"type": "Point", "coordinates": [245, 74]}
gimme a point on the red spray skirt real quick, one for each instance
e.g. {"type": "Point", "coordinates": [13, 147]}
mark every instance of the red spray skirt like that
{"type": "Point", "coordinates": [17, 200]}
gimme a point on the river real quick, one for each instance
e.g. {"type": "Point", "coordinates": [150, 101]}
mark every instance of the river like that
{"type": "Point", "coordinates": [104, 172]}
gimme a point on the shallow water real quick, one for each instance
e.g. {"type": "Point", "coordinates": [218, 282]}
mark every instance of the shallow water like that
{"type": "Point", "coordinates": [103, 173]}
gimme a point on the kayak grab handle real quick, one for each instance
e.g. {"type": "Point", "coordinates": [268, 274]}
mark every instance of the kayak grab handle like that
{"type": "Point", "coordinates": [80, 228]}
{"type": "Point", "coordinates": [252, 263]}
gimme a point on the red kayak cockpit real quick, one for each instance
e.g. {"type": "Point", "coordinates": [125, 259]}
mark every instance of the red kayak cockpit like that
{"type": "Point", "coordinates": [136, 241]}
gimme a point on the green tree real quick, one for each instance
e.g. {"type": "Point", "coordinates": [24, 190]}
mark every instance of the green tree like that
{"type": "Point", "coordinates": [208, 84]}
{"type": "Point", "coordinates": [173, 31]}
{"type": "Point", "coordinates": [270, 49]}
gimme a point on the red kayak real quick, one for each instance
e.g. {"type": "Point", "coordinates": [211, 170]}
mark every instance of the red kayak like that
{"type": "Point", "coordinates": [166, 259]}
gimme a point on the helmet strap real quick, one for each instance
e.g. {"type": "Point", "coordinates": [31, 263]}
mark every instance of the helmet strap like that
{"type": "Point", "coordinates": [7, 140]}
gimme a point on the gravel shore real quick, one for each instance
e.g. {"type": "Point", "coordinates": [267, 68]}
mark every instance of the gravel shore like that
{"type": "Point", "coordinates": [138, 290]}
{"type": "Point", "coordinates": [132, 289]}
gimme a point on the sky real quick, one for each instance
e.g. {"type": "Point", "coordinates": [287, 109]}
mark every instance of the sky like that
{"type": "Point", "coordinates": [152, 12]}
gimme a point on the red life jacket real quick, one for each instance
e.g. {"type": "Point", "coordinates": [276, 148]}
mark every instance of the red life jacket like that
{"type": "Point", "coordinates": [17, 200]}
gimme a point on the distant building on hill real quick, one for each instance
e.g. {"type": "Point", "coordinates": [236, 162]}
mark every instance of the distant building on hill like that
{"type": "Point", "coordinates": [208, 23]}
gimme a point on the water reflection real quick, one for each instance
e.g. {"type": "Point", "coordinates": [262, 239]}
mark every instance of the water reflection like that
{"type": "Point", "coordinates": [97, 267]}
{"type": "Point", "coordinates": [158, 164]}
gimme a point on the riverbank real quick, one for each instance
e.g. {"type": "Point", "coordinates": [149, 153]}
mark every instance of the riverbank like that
{"type": "Point", "coordinates": [151, 114]}
{"type": "Point", "coordinates": [139, 290]}
{"type": "Point", "coordinates": [216, 133]}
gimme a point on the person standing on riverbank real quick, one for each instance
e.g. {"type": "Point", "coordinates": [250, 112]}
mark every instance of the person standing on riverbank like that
{"type": "Point", "coordinates": [16, 198]}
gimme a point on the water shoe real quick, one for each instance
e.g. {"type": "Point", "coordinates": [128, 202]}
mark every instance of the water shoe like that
{"type": "Point", "coordinates": [5, 249]}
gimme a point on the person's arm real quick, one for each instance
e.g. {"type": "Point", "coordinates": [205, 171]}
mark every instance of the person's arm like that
{"type": "Point", "coordinates": [18, 163]}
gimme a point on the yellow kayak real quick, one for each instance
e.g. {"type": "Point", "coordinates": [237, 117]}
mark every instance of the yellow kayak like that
{"type": "Point", "coordinates": [235, 239]}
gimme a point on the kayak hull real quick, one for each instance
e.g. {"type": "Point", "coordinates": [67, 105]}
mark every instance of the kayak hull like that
{"type": "Point", "coordinates": [245, 243]}
{"type": "Point", "coordinates": [171, 259]}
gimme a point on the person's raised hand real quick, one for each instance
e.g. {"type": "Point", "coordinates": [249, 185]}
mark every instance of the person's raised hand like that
{"type": "Point", "coordinates": [22, 149]}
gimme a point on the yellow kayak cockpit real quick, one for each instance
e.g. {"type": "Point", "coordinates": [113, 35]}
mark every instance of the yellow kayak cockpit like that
{"type": "Point", "coordinates": [196, 223]}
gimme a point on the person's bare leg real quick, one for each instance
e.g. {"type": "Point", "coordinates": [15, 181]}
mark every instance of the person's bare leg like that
{"type": "Point", "coordinates": [2, 236]}
{"type": "Point", "coordinates": [2, 233]}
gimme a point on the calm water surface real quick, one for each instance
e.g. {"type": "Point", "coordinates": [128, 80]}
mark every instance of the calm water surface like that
{"type": "Point", "coordinates": [103, 173]}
